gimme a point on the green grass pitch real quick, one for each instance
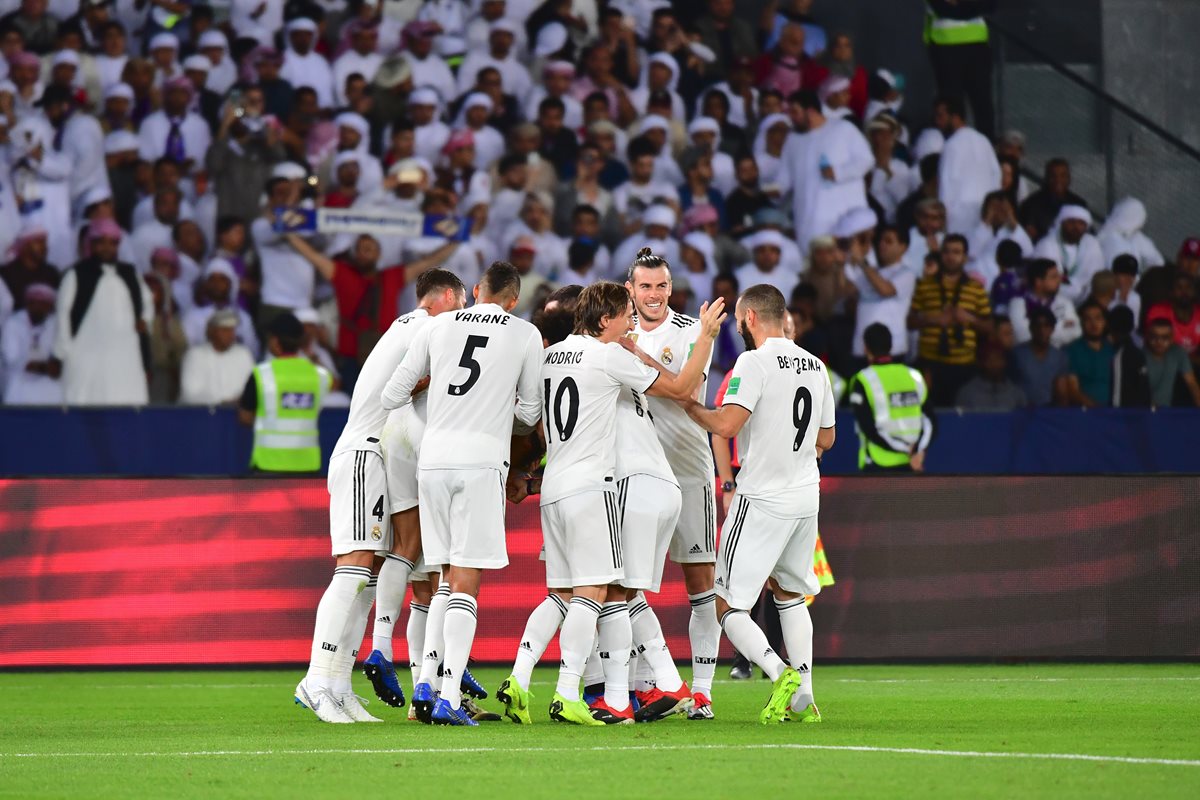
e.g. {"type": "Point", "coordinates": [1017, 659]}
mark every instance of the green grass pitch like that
{"type": "Point", "coordinates": [912, 731]}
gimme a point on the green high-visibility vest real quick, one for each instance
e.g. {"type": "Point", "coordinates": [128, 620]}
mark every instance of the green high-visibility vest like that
{"type": "Point", "coordinates": [290, 394]}
{"type": "Point", "coordinates": [895, 394]}
{"type": "Point", "coordinates": [942, 31]}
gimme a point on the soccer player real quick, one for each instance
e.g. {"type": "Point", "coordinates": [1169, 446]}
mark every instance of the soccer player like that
{"type": "Point", "coordinates": [780, 404]}
{"type": "Point", "coordinates": [670, 339]}
{"type": "Point", "coordinates": [358, 522]}
{"type": "Point", "coordinates": [437, 291]}
{"type": "Point", "coordinates": [583, 377]}
{"type": "Point", "coordinates": [478, 360]}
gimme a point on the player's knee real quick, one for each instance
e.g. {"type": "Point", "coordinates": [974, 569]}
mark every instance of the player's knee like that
{"type": "Point", "coordinates": [357, 558]}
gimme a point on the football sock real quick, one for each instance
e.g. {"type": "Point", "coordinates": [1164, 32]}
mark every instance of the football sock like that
{"type": "Point", "coordinates": [462, 613]}
{"type": "Point", "coordinates": [704, 632]}
{"type": "Point", "coordinates": [576, 640]}
{"type": "Point", "coordinates": [615, 635]}
{"type": "Point", "coordinates": [543, 623]}
{"type": "Point", "coordinates": [389, 600]}
{"type": "Point", "coordinates": [418, 615]}
{"type": "Point", "coordinates": [352, 636]}
{"type": "Point", "coordinates": [652, 647]}
{"type": "Point", "coordinates": [593, 670]}
{"type": "Point", "coordinates": [435, 641]}
{"type": "Point", "coordinates": [797, 637]}
{"type": "Point", "coordinates": [751, 642]}
{"type": "Point", "coordinates": [635, 663]}
{"type": "Point", "coordinates": [332, 614]}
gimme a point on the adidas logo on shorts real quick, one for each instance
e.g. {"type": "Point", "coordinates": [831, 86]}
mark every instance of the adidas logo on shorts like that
{"type": "Point", "coordinates": [695, 549]}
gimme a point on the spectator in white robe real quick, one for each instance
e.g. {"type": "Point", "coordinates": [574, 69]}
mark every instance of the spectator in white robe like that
{"type": "Point", "coordinates": [969, 168]}
{"type": "Point", "coordinates": [40, 178]}
{"type": "Point", "coordinates": [430, 134]}
{"type": "Point", "coordinates": [1123, 233]}
{"type": "Point", "coordinates": [556, 82]}
{"type": "Point", "coordinates": [657, 130]}
{"type": "Point", "coordinates": [156, 232]}
{"type": "Point", "coordinates": [361, 58]}
{"type": "Point", "coordinates": [997, 223]}
{"type": "Point", "coordinates": [929, 142]}
{"type": "Point", "coordinates": [698, 261]}
{"type": "Point", "coordinates": [451, 17]}
{"type": "Point", "coordinates": [218, 292]}
{"type": "Point", "coordinates": [174, 131]}
{"type": "Point", "coordinates": [658, 222]}
{"type": "Point", "coordinates": [660, 73]}
{"type": "Point", "coordinates": [32, 376]}
{"type": "Point", "coordinates": [428, 68]}
{"type": "Point", "coordinates": [774, 132]}
{"type": "Point", "coordinates": [1076, 251]}
{"type": "Point", "coordinates": [304, 66]}
{"type": "Point", "coordinates": [889, 179]}
{"type": "Point", "coordinates": [256, 19]}
{"type": "Point", "coordinates": [215, 371]}
{"type": "Point", "coordinates": [705, 133]}
{"type": "Point", "coordinates": [353, 136]}
{"type": "Point", "coordinates": [215, 47]}
{"type": "Point", "coordinates": [501, 55]}
{"type": "Point", "coordinates": [489, 143]}
{"type": "Point", "coordinates": [78, 136]}
{"type": "Point", "coordinates": [104, 311]}
{"type": "Point", "coordinates": [536, 223]}
{"type": "Point", "coordinates": [824, 168]}
{"type": "Point", "coordinates": [766, 251]}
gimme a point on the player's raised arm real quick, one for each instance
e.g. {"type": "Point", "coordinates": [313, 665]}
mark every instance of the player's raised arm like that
{"type": "Point", "coordinates": [414, 367]}
{"type": "Point", "coordinates": [684, 385]}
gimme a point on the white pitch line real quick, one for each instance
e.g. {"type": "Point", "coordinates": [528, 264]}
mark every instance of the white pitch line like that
{"type": "Point", "coordinates": [915, 751]}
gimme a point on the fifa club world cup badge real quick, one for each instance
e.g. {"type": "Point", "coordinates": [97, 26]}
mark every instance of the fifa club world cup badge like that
{"type": "Point", "coordinates": [376, 533]}
{"type": "Point", "coordinates": [667, 356]}
{"type": "Point", "coordinates": [633, 338]}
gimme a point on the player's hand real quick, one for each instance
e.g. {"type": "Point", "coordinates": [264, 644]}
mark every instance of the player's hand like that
{"type": "Point", "coordinates": [516, 488]}
{"type": "Point", "coordinates": [917, 460]}
{"type": "Point", "coordinates": [711, 316]}
{"type": "Point", "coordinates": [421, 386]}
{"type": "Point", "coordinates": [629, 344]}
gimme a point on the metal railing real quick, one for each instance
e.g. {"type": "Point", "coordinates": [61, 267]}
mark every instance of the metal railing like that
{"type": "Point", "coordinates": [1115, 150]}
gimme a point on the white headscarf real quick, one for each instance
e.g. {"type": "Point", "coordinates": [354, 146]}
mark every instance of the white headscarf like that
{"type": "Point", "coordinates": [760, 138]}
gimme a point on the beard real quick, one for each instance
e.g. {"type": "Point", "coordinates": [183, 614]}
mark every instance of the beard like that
{"type": "Point", "coordinates": [747, 338]}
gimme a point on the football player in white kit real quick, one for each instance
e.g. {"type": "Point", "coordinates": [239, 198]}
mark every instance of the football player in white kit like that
{"type": "Point", "coordinates": [583, 378]}
{"type": "Point", "coordinates": [780, 405]}
{"type": "Point", "coordinates": [669, 338]}
{"type": "Point", "coordinates": [478, 360]}
{"type": "Point", "coordinates": [438, 291]}
{"type": "Point", "coordinates": [358, 518]}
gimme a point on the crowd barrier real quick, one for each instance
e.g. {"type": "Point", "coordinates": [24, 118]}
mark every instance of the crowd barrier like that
{"type": "Point", "coordinates": [170, 442]}
{"type": "Point", "coordinates": [128, 572]}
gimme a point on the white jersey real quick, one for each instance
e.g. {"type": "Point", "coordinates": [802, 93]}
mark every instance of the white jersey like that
{"type": "Point", "coordinates": [582, 380]}
{"type": "Point", "coordinates": [364, 425]}
{"type": "Point", "coordinates": [638, 450]}
{"type": "Point", "coordinates": [685, 442]}
{"type": "Point", "coordinates": [483, 365]}
{"type": "Point", "coordinates": [789, 396]}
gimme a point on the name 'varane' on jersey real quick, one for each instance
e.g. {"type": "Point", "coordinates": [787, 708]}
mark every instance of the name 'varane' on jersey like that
{"type": "Point", "coordinates": [684, 442]}
{"type": "Point", "coordinates": [477, 360]}
{"type": "Point", "coordinates": [789, 396]}
{"type": "Point", "coordinates": [367, 414]}
{"type": "Point", "coordinates": [582, 379]}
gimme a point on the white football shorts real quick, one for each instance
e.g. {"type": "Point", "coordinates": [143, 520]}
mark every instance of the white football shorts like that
{"type": "Point", "coordinates": [359, 518]}
{"type": "Point", "coordinates": [756, 546]}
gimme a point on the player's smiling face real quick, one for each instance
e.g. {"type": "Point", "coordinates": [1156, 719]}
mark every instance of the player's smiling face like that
{"type": "Point", "coordinates": [614, 328]}
{"type": "Point", "coordinates": [650, 288]}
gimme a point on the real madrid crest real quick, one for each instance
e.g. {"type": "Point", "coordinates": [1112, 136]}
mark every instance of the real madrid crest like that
{"type": "Point", "coordinates": [667, 356]}
{"type": "Point", "coordinates": [376, 533]}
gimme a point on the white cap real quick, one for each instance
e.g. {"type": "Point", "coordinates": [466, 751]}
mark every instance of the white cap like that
{"type": "Point", "coordinates": [290, 170]}
{"type": "Point", "coordinates": [164, 39]}
{"type": "Point", "coordinates": [767, 238]}
{"type": "Point", "coordinates": [477, 100]}
{"type": "Point", "coordinates": [213, 38]}
{"type": "Point", "coordinates": [123, 90]}
{"type": "Point", "coordinates": [65, 57]}
{"type": "Point", "coordinates": [704, 125]}
{"type": "Point", "coordinates": [854, 222]}
{"type": "Point", "coordinates": [197, 62]}
{"type": "Point", "coordinates": [1073, 212]}
{"type": "Point", "coordinates": [666, 60]}
{"type": "Point", "coordinates": [349, 119]}
{"type": "Point", "coordinates": [96, 194]}
{"type": "Point", "coordinates": [832, 85]}
{"type": "Point", "coordinates": [654, 121]}
{"type": "Point", "coordinates": [659, 215]}
{"type": "Point", "coordinates": [408, 166]}
{"type": "Point", "coordinates": [887, 77]}
{"type": "Point", "coordinates": [302, 24]}
{"type": "Point", "coordinates": [930, 141]}
{"type": "Point", "coordinates": [221, 266]}
{"type": "Point", "coordinates": [308, 316]}
{"type": "Point", "coordinates": [424, 96]}
{"type": "Point", "coordinates": [346, 157]}
{"type": "Point", "coordinates": [551, 38]}
{"type": "Point", "coordinates": [503, 24]}
{"type": "Point", "coordinates": [120, 141]}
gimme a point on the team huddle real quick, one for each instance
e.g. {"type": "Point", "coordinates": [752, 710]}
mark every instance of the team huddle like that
{"type": "Point", "coordinates": [449, 420]}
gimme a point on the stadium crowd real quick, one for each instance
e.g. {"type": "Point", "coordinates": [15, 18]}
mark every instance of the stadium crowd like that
{"type": "Point", "coordinates": [146, 147]}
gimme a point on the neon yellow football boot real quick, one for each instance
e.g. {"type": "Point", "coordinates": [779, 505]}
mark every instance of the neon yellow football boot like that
{"type": "Point", "coordinates": [573, 711]}
{"type": "Point", "coordinates": [781, 697]}
{"type": "Point", "coordinates": [810, 714]}
{"type": "Point", "coordinates": [516, 700]}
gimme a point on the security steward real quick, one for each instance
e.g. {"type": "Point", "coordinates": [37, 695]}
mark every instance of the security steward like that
{"type": "Point", "coordinates": [891, 416]}
{"type": "Point", "coordinates": [282, 400]}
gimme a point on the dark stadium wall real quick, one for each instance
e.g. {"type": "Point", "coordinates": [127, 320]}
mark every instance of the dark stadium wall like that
{"type": "Point", "coordinates": [195, 572]}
